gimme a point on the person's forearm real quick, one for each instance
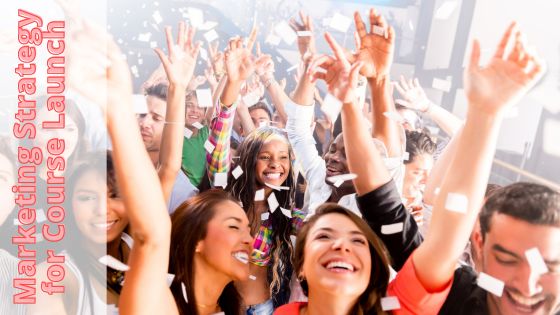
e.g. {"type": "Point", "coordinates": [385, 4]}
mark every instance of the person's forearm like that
{"type": "Point", "coordinates": [172, 139]}
{"type": "Point", "coordinates": [363, 158]}
{"type": "Point", "coordinates": [230, 93]}
{"type": "Point", "coordinates": [305, 90]}
{"type": "Point", "coordinates": [245, 118]}
{"type": "Point", "coordinates": [384, 128]}
{"type": "Point", "coordinates": [444, 119]}
{"type": "Point", "coordinates": [279, 98]}
{"type": "Point", "coordinates": [466, 177]}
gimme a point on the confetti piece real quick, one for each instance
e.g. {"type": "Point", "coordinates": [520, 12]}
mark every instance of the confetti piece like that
{"type": "Point", "coordinates": [433, 130]}
{"type": "Point", "coordinates": [536, 261]}
{"type": "Point", "coordinates": [196, 17]}
{"type": "Point", "coordinates": [285, 32]}
{"type": "Point", "coordinates": [331, 107]}
{"type": "Point", "coordinates": [442, 85]}
{"type": "Point", "coordinates": [134, 71]}
{"type": "Point", "coordinates": [551, 130]}
{"type": "Point", "coordinates": [273, 40]}
{"type": "Point", "coordinates": [208, 25]}
{"type": "Point", "coordinates": [204, 97]}
{"type": "Point", "coordinates": [187, 133]}
{"type": "Point", "coordinates": [209, 146]}
{"type": "Point", "coordinates": [140, 61]}
{"type": "Point", "coordinates": [220, 180]}
{"type": "Point", "coordinates": [389, 303]}
{"type": "Point", "coordinates": [139, 103]}
{"type": "Point", "coordinates": [272, 203]}
{"type": "Point", "coordinates": [157, 17]}
{"type": "Point", "coordinates": [436, 191]}
{"type": "Point", "coordinates": [406, 156]}
{"type": "Point", "coordinates": [259, 195]}
{"type": "Point", "coordinates": [393, 116]}
{"type": "Point", "coordinates": [252, 277]}
{"type": "Point", "coordinates": [342, 177]}
{"type": "Point", "coordinates": [286, 212]}
{"type": "Point", "coordinates": [490, 284]}
{"type": "Point", "coordinates": [445, 10]}
{"type": "Point", "coordinates": [169, 279]}
{"type": "Point", "coordinates": [184, 290]}
{"type": "Point", "coordinates": [237, 172]}
{"type": "Point", "coordinates": [392, 228]}
{"type": "Point", "coordinates": [211, 36]}
{"type": "Point", "coordinates": [293, 238]}
{"type": "Point", "coordinates": [198, 125]}
{"type": "Point", "coordinates": [456, 203]}
{"type": "Point", "coordinates": [145, 37]}
{"type": "Point", "coordinates": [251, 98]}
{"type": "Point", "coordinates": [292, 68]}
{"type": "Point", "coordinates": [263, 124]}
{"type": "Point", "coordinates": [304, 33]}
{"type": "Point", "coordinates": [16, 221]}
{"type": "Point", "coordinates": [277, 187]}
{"type": "Point", "coordinates": [153, 44]}
{"type": "Point", "coordinates": [40, 215]}
{"type": "Point", "coordinates": [264, 216]}
{"type": "Point", "coordinates": [340, 22]}
{"type": "Point", "coordinates": [114, 263]}
{"type": "Point", "coordinates": [338, 183]}
{"type": "Point", "coordinates": [378, 30]}
{"type": "Point", "coordinates": [203, 53]}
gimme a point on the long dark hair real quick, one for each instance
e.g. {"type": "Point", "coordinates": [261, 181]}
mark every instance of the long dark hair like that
{"type": "Point", "coordinates": [189, 224]}
{"type": "Point", "coordinates": [244, 188]}
{"type": "Point", "coordinates": [369, 301]}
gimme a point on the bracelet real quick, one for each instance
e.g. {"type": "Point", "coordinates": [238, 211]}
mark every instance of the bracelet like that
{"type": "Point", "coordinates": [268, 83]}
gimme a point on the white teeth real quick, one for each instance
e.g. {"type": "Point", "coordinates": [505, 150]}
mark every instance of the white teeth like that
{"type": "Point", "coordinates": [104, 225]}
{"type": "Point", "coordinates": [241, 256]}
{"type": "Point", "coordinates": [340, 264]}
{"type": "Point", "coordinates": [525, 301]}
{"type": "Point", "coordinates": [272, 175]}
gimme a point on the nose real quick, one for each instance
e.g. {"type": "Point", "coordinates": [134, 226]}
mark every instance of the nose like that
{"type": "Point", "coordinates": [144, 121]}
{"type": "Point", "coordinates": [341, 244]}
{"type": "Point", "coordinates": [528, 281]}
{"type": "Point", "coordinates": [102, 206]}
{"type": "Point", "coordinates": [247, 238]}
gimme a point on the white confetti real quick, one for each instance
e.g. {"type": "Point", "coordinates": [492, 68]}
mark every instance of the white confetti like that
{"type": "Point", "coordinates": [184, 290]}
{"type": "Point", "coordinates": [442, 85]}
{"type": "Point", "coordinates": [285, 32]}
{"type": "Point", "coordinates": [292, 68]}
{"type": "Point", "coordinates": [259, 195]}
{"type": "Point", "coordinates": [198, 125]}
{"type": "Point", "coordinates": [340, 22]}
{"type": "Point", "coordinates": [208, 25]}
{"type": "Point", "coordinates": [139, 104]}
{"type": "Point", "coordinates": [140, 61]}
{"type": "Point", "coordinates": [196, 17]}
{"type": "Point", "coordinates": [134, 71]}
{"type": "Point", "coordinates": [157, 17]}
{"type": "Point", "coordinates": [144, 37]}
{"type": "Point", "coordinates": [393, 116]}
{"type": "Point", "coordinates": [436, 191]}
{"type": "Point", "coordinates": [40, 215]}
{"type": "Point", "coordinates": [264, 216]}
{"type": "Point", "coordinates": [272, 203]}
{"type": "Point", "coordinates": [114, 263]}
{"type": "Point", "coordinates": [457, 203]}
{"type": "Point", "coordinates": [536, 261]}
{"type": "Point", "coordinates": [406, 156]}
{"type": "Point", "coordinates": [204, 97]}
{"type": "Point", "coordinates": [209, 146]}
{"type": "Point", "coordinates": [392, 228]}
{"type": "Point", "coordinates": [342, 177]}
{"type": "Point", "coordinates": [251, 277]}
{"type": "Point", "coordinates": [304, 33]}
{"type": "Point", "coordinates": [153, 44]}
{"type": "Point", "coordinates": [251, 98]}
{"type": "Point", "coordinates": [390, 303]}
{"type": "Point", "coordinates": [293, 238]}
{"type": "Point", "coordinates": [490, 284]}
{"type": "Point", "coordinates": [331, 107]}
{"type": "Point", "coordinates": [203, 53]}
{"type": "Point", "coordinates": [378, 30]}
{"type": "Point", "coordinates": [220, 180]}
{"type": "Point", "coordinates": [211, 35]}
{"type": "Point", "coordinates": [187, 133]}
{"type": "Point", "coordinates": [277, 187]}
{"type": "Point", "coordinates": [286, 212]}
{"type": "Point", "coordinates": [338, 183]}
{"type": "Point", "coordinates": [16, 221]}
{"type": "Point", "coordinates": [263, 124]}
{"type": "Point", "coordinates": [273, 40]}
{"type": "Point", "coordinates": [551, 131]}
{"type": "Point", "coordinates": [169, 279]}
{"type": "Point", "coordinates": [237, 172]}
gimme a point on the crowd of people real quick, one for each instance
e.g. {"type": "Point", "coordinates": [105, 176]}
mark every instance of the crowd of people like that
{"type": "Point", "coordinates": [257, 200]}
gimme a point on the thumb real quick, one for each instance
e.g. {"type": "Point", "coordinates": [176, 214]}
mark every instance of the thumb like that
{"type": "Point", "coordinates": [475, 56]}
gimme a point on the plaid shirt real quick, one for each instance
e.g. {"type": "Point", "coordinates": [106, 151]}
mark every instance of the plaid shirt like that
{"type": "Point", "coordinates": [220, 132]}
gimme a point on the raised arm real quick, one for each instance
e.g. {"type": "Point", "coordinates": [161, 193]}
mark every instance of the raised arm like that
{"type": "Point", "coordinates": [179, 67]}
{"type": "Point", "coordinates": [490, 91]}
{"type": "Point", "coordinates": [415, 98]}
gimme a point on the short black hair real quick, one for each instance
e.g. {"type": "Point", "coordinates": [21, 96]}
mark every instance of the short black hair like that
{"type": "Point", "coordinates": [263, 106]}
{"type": "Point", "coordinates": [418, 143]}
{"type": "Point", "coordinates": [529, 202]}
{"type": "Point", "coordinates": [157, 90]}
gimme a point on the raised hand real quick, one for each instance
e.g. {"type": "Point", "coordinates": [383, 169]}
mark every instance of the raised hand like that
{"type": "Point", "coordinates": [506, 78]}
{"type": "Point", "coordinates": [216, 59]}
{"type": "Point", "coordinates": [264, 65]}
{"type": "Point", "coordinates": [306, 44]}
{"type": "Point", "coordinates": [180, 64]}
{"type": "Point", "coordinates": [340, 76]}
{"type": "Point", "coordinates": [375, 50]}
{"type": "Point", "coordinates": [414, 96]}
{"type": "Point", "coordinates": [239, 61]}
{"type": "Point", "coordinates": [195, 82]}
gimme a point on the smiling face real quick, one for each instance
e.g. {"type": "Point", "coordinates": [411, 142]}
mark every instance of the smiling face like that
{"type": "Point", "coordinates": [259, 116]}
{"type": "Point", "coordinates": [7, 180]}
{"type": "Point", "coordinates": [193, 112]}
{"type": "Point", "coordinates": [151, 124]}
{"type": "Point", "coordinates": [416, 175]}
{"type": "Point", "coordinates": [273, 161]}
{"type": "Point", "coordinates": [335, 160]}
{"type": "Point", "coordinates": [99, 218]}
{"type": "Point", "coordinates": [503, 257]}
{"type": "Point", "coordinates": [69, 133]}
{"type": "Point", "coordinates": [337, 257]}
{"type": "Point", "coordinates": [227, 246]}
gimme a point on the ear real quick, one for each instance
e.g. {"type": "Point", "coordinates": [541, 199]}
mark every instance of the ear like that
{"type": "Point", "coordinates": [477, 243]}
{"type": "Point", "coordinates": [199, 247]}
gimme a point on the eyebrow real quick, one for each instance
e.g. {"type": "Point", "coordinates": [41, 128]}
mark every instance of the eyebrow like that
{"type": "Point", "coordinates": [328, 229]}
{"type": "Point", "coordinates": [501, 249]}
{"type": "Point", "coordinates": [233, 218]}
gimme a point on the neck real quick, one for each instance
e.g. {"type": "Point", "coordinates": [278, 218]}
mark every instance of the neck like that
{"type": "Point", "coordinates": [208, 286]}
{"type": "Point", "coordinates": [329, 304]}
{"type": "Point", "coordinates": [193, 129]}
{"type": "Point", "coordinates": [154, 156]}
{"type": "Point", "coordinates": [113, 249]}
{"type": "Point", "coordinates": [339, 192]}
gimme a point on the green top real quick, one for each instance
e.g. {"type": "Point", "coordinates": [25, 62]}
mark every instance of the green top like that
{"type": "Point", "coordinates": [194, 156]}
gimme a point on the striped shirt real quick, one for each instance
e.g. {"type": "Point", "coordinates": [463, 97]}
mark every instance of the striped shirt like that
{"type": "Point", "coordinates": [218, 159]}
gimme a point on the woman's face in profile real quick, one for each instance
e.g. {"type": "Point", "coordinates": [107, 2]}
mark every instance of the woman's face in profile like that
{"type": "Point", "coordinates": [7, 180]}
{"type": "Point", "coordinates": [70, 133]}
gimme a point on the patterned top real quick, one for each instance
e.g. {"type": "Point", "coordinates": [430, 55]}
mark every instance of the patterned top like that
{"type": "Point", "coordinates": [218, 160]}
{"type": "Point", "coordinates": [263, 240]}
